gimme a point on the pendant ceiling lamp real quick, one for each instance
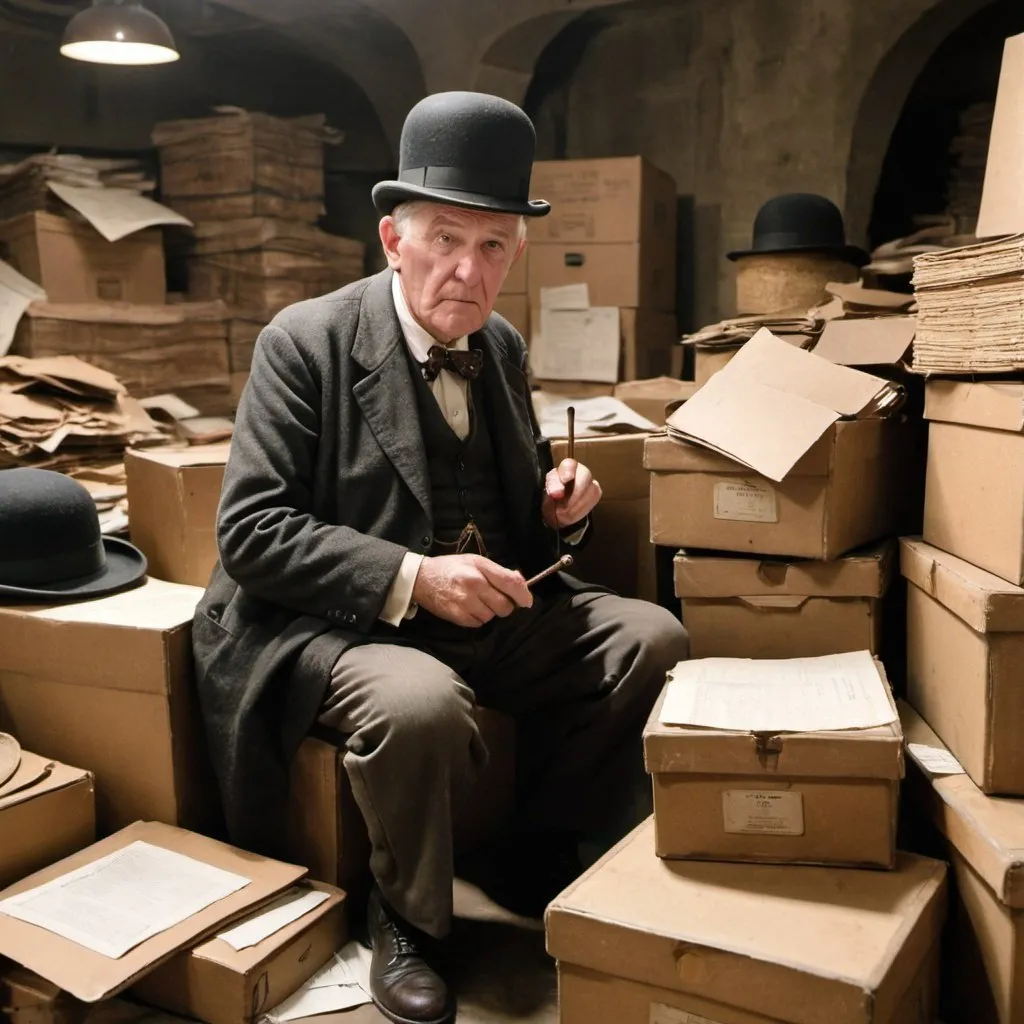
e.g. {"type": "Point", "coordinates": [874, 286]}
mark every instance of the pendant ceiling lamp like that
{"type": "Point", "coordinates": [118, 32]}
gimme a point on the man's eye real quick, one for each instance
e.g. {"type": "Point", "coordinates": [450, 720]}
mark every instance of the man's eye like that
{"type": "Point", "coordinates": [495, 247]}
{"type": "Point", "coordinates": [444, 239]}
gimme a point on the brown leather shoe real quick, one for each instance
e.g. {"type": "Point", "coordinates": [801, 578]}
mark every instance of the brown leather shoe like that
{"type": "Point", "coordinates": [404, 987]}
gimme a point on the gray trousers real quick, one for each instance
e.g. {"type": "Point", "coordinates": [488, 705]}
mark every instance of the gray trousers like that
{"type": "Point", "coordinates": [579, 672]}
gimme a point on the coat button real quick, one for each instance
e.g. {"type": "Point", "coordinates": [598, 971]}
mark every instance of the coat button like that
{"type": "Point", "coordinates": [462, 464]}
{"type": "Point", "coordinates": [350, 618]}
{"type": "Point", "coordinates": [425, 540]}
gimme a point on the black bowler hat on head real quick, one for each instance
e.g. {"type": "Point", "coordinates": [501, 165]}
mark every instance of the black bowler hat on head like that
{"type": "Point", "coordinates": [465, 149]}
{"type": "Point", "coordinates": [51, 548]}
{"type": "Point", "coordinates": [801, 222]}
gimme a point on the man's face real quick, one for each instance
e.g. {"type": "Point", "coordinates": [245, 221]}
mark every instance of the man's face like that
{"type": "Point", "coordinates": [452, 264]}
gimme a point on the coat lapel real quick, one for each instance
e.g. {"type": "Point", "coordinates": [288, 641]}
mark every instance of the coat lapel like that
{"type": "Point", "coordinates": [386, 394]}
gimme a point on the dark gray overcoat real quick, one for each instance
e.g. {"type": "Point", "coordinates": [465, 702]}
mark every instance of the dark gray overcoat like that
{"type": "Point", "coordinates": [325, 490]}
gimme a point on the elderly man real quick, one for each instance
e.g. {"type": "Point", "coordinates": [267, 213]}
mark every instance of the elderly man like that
{"type": "Point", "coordinates": [386, 498]}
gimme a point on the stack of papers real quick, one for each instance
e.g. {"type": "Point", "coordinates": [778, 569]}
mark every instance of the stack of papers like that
{"type": "Point", "coordinates": [798, 328]}
{"type": "Point", "coordinates": [594, 417]}
{"type": "Point", "coordinates": [343, 982]}
{"type": "Point", "coordinates": [971, 308]}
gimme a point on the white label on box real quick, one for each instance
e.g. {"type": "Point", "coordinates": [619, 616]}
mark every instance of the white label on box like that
{"type": "Point", "coordinates": [745, 502]}
{"type": "Point", "coordinates": [662, 1014]}
{"type": "Point", "coordinates": [935, 760]}
{"type": "Point", "coordinates": [756, 812]}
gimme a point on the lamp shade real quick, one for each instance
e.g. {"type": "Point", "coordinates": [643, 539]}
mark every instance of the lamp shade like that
{"type": "Point", "coordinates": [118, 32]}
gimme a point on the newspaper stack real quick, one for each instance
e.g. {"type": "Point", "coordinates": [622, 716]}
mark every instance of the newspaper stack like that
{"type": "Point", "coordinates": [971, 308]}
{"type": "Point", "coordinates": [798, 328]}
{"type": "Point", "coordinates": [25, 186]}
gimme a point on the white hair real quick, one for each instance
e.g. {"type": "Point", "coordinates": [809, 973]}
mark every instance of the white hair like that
{"type": "Point", "coordinates": [403, 214]}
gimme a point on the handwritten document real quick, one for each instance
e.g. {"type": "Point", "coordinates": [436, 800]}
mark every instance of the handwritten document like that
{"type": "Point", "coordinates": [577, 344]}
{"type": "Point", "coordinates": [935, 760]}
{"type": "Point", "coordinates": [271, 919]}
{"type": "Point", "coordinates": [835, 692]}
{"type": "Point", "coordinates": [117, 902]}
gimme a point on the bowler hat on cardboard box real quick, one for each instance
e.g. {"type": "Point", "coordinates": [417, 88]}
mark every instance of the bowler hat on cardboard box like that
{"type": "Point", "coordinates": [801, 222]}
{"type": "Point", "coordinates": [51, 548]}
{"type": "Point", "coordinates": [465, 149]}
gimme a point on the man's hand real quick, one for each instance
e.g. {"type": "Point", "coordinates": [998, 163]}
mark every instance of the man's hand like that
{"type": "Point", "coordinates": [469, 590]}
{"type": "Point", "coordinates": [561, 509]}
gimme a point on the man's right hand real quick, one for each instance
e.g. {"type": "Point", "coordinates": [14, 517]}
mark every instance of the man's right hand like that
{"type": "Point", "coordinates": [469, 590]}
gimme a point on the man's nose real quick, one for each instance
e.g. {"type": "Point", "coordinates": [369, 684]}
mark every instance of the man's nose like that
{"type": "Point", "coordinates": [468, 269]}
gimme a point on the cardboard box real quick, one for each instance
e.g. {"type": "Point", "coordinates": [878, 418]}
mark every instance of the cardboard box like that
{"type": "Point", "coordinates": [708, 361]}
{"type": "Point", "coordinates": [620, 555]}
{"type": "Point", "coordinates": [797, 798]}
{"type": "Point", "coordinates": [965, 645]}
{"type": "Point", "coordinates": [614, 199]}
{"type": "Point", "coordinates": [640, 940]}
{"type": "Point", "coordinates": [26, 998]}
{"type": "Point", "coordinates": [172, 497]}
{"type": "Point", "coordinates": [326, 831]}
{"type": "Point", "coordinates": [574, 388]}
{"type": "Point", "coordinates": [515, 283]}
{"type": "Point", "coordinates": [620, 274]}
{"type": "Point", "coordinates": [107, 684]}
{"type": "Point", "coordinates": [655, 398]}
{"type": "Point", "coordinates": [47, 811]}
{"type": "Point", "coordinates": [735, 607]}
{"type": "Point", "coordinates": [218, 984]}
{"type": "Point", "coordinates": [516, 310]}
{"type": "Point", "coordinates": [976, 448]}
{"type": "Point", "coordinates": [843, 493]}
{"type": "Point", "coordinates": [92, 976]}
{"type": "Point", "coordinates": [74, 263]}
{"type": "Point", "coordinates": [984, 838]}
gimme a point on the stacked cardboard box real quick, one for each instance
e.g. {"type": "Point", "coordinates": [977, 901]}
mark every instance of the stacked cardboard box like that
{"type": "Point", "coordinates": [611, 230]}
{"type": "Point", "coordinates": [514, 302]}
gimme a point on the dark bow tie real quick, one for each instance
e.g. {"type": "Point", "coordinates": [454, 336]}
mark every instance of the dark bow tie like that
{"type": "Point", "coordinates": [466, 364]}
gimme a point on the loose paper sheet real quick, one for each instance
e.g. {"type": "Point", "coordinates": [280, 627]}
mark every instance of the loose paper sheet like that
{"type": "Point", "coordinates": [594, 417]}
{"type": "Point", "coordinates": [343, 982]}
{"type": "Point", "coordinates": [1002, 203]}
{"type": "Point", "coordinates": [577, 344]}
{"type": "Point", "coordinates": [935, 760]}
{"type": "Point", "coordinates": [117, 902]}
{"type": "Point", "coordinates": [836, 692]}
{"type": "Point", "coordinates": [566, 296]}
{"type": "Point", "coordinates": [264, 923]}
{"type": "Point", "coordinates": [117, 212]}
{"type": "Point", "coordinates": [17, 293]}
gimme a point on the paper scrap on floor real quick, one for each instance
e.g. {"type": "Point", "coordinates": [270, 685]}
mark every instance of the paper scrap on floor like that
{"type": "Point", "coordinates": [272, 918]}
{"type": "Point", "coordinates": [577, 341]}
{"type": "Point", "coordinates": [594, 417]}
{"type": "Point", "coordinates": [834, 692]}
{"type": "Point", "coordinates": [17, 293]}
{"type": "Point", "coordinates": [935, 760]}
{"type": "Point", "coordinates": [343, 982]}
{"type": "Point", "coordinates": [117, 902]}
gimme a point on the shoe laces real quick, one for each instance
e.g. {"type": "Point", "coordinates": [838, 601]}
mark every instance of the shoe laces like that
{"type": "Point", "coordinates": [404, 946]}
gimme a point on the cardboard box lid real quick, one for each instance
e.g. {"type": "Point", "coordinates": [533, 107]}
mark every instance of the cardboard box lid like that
{"type": "Point", "coordinates": [853, 754]}
{"type": "Point", "coordinates": [90, 976]}
{"type": "Point", "coordinates": [997, 406]}
{"type": "Point", "coordinates": [867, 341]}
{"type": "Point", "coordinates": [789, 943]}
{"type": "Point", "coordinates": [772, 402]}
{"type": "Point", "coordinates": [184, 458]}
{"type": "Point", "coordinates": [864, 573]}
{"type": "Point", "coordinates": [987, 831]}
{"type": "Point", "coordinates": [1002, 201]}
{"type": "Point", "coordinates": [986, 602]}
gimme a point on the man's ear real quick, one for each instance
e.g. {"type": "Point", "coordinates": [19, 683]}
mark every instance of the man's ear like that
{"type": "Point", "coordinates": [389, 239]}
{"type": "Point", "coordinates": [520, 249]}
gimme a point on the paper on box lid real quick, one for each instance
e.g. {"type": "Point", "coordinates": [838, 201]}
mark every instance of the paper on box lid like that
{"type": "Point", "coordinates": [987, 831]}
{"type": "Point", "coordinates": [854, 753]}
{"type": "Point", "coordinates": [997, 406]}
{"type": "Point", "coordinates": [986, 602]}
{"type": "Point", "coordinates": [772, 402]}
{"type": "Point", "coordinates": [865, 573]}
{"type": "Point", "coordinates": [867, 341]}
{"type": "Point", "coordinates": [807, 944]}
{"type": "Point", "coordinates": [91, 976]}
{"type": "Point", "coordinates": [184, 458]}
{"type": "Point", "coordinates": [1002, 201]}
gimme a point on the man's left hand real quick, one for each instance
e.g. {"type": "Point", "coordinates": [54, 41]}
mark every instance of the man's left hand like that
{"type": "Point", "coordinates": [570, 494]}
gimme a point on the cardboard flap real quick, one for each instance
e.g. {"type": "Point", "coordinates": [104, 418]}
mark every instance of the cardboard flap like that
{"type": "Point", "coordinates": [988, 832]}
{"type": "Point", "coordinates": [181, 458]}
{"type": "Point", "coordinates": [90, 976]}
{"type": "Point", "coordinates": [782, 942]}
{"type": "Point", "coordinates": [987, 603]}
{"type": "Point", "coordinates": [865, 573]}
{"type": "Point", "coordinates": [776, 602]}
{"type": "Point", "coordinates": [997, 406]}
{"type": "Point", "coordinates": [867, 341]}
{"type": "Point", "coordinates": [1002, 199]}
{"type": "Point", "coordinates": [773, 401]}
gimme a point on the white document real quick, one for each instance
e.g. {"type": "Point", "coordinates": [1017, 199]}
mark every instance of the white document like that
{"type": "Point", "coordinates": [343, 982]}
{"type": "Point", "coordinates": [17, 293]}
{"type": "Point", "coordinates": [935, 760]}
{"type": "Point", "coordinates": [836, 692]}
{"type": "Point", "coordinates": [350, 966]}
{"type": "Point", "coordinates": [566, 296]}
{"type": "Point", "coordinates": [577, 344]}
{"type": "Point", "coordinates": [117, 902]}
{"type": "Point", "coordinates": [117, 212]}
{"type": "Point", "coordinates": [594, 416]}
{"type": "Point", "coordinates": [264, 923]}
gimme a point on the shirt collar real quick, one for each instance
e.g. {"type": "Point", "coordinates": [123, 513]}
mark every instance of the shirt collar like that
{"type": "Point", "coordinates": [416, 337]}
